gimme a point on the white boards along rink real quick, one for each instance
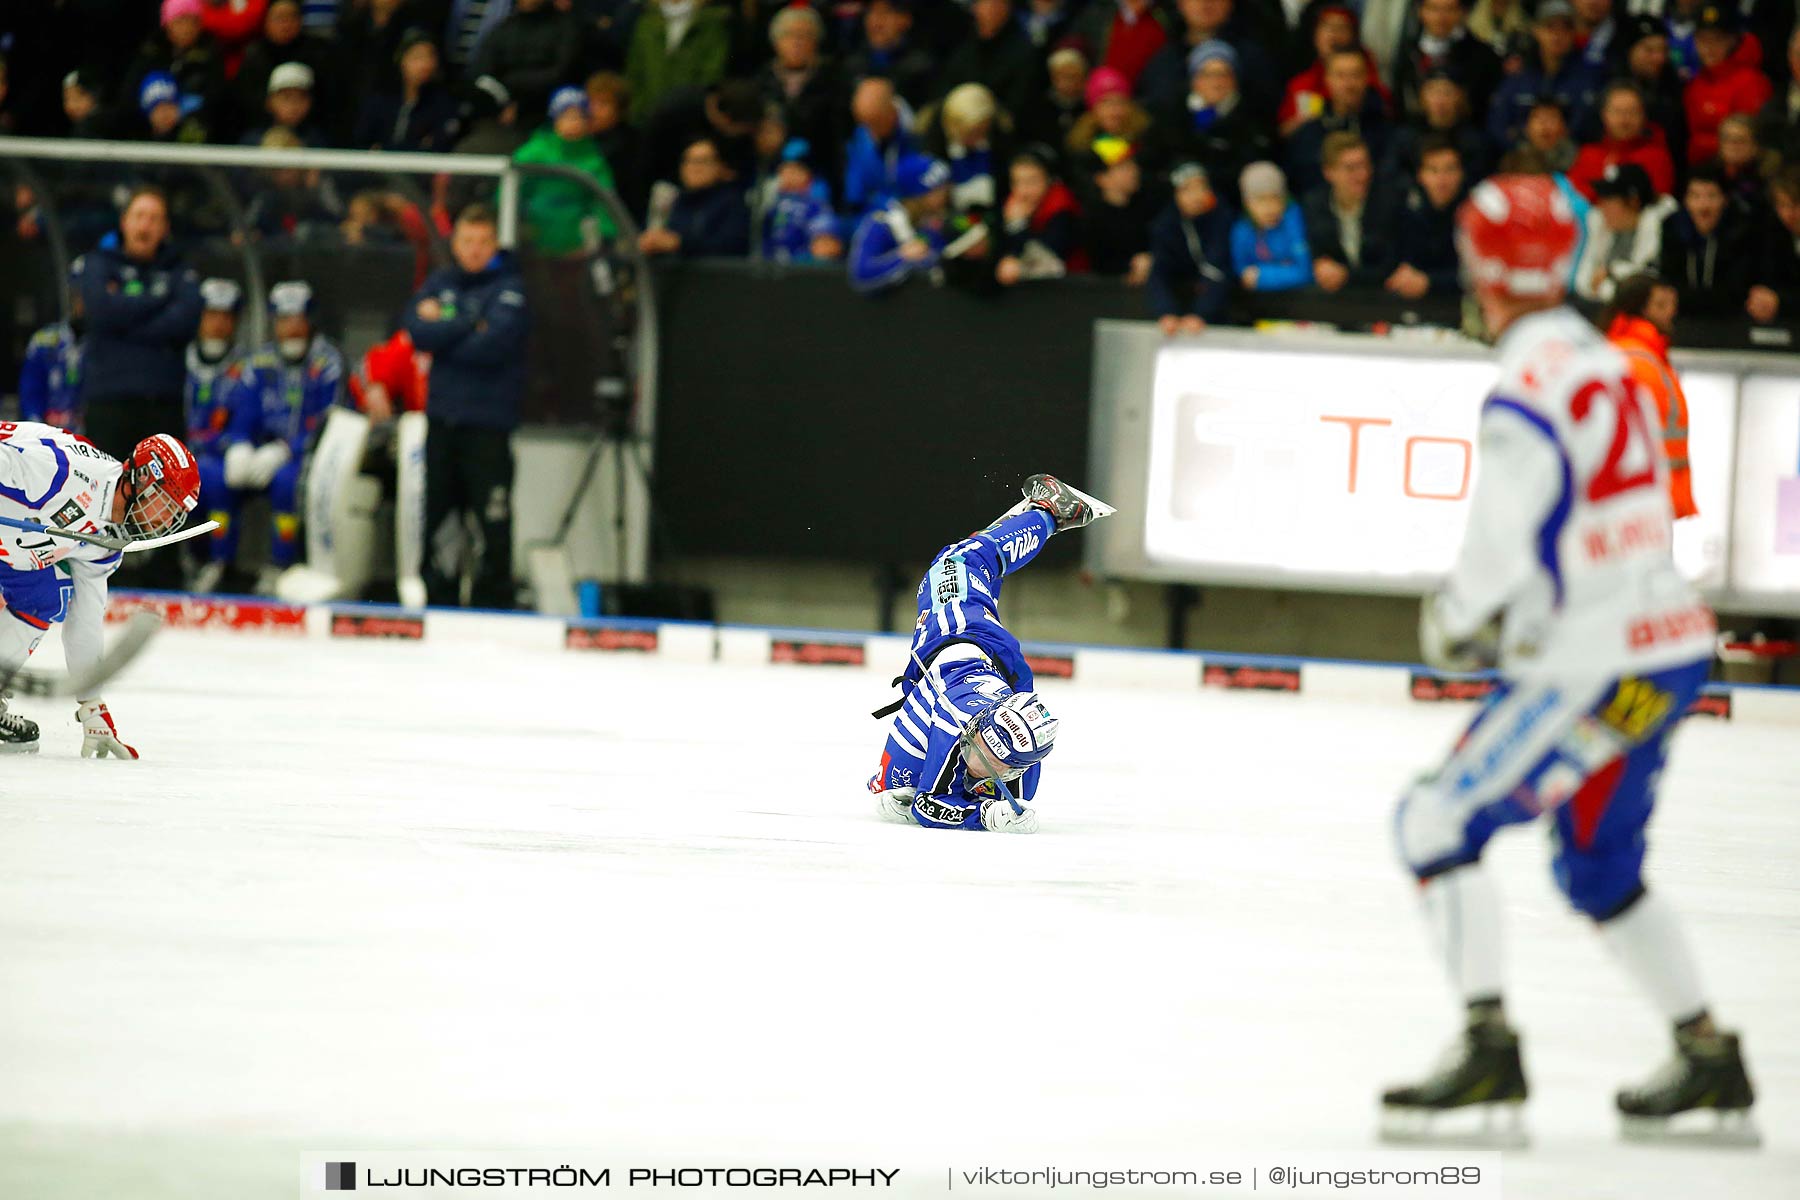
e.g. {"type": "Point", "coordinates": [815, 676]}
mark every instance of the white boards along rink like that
{"type": "Point", "coordinates": [1345, 462]}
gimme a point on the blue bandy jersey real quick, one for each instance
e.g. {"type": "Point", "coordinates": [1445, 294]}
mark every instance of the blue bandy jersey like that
{"type": "Point", "coordinates": [959, 598]}
{"type": "Point", "coordinates": [50, 380]}
{"type": "Point", "coordinates": [206, 397]}
{"type": "Point", "coordinates": [276, 399]}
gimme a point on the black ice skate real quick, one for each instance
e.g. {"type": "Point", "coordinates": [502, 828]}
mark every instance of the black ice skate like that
{"type": "Point", "coordinates": [1475, 1097]}
{"type": "Point", "coordinates": [17, 734]}
{"type": "Point", "coordinates": [1706, 1075]}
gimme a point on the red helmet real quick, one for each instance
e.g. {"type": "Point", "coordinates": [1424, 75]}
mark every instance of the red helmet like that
{"type": "Point", "coordinates": [165, 486]}
{"type": "Point", "coordinates": [1516, 235]}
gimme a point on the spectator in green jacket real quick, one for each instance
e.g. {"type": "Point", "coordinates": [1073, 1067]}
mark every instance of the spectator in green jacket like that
{"type": "Point", "coordinates": [563, 217]}
{"type": "Point", "coordinates": [677, 43]}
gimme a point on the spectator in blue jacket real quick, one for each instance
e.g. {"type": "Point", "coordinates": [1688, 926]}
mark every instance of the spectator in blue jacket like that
{"type": "Point", "coordinates": [142, 304]}
{"type": "Point", "coordinates": [906, 238]}
{"type": "Point", "coordinates": [873, 154]}
{"type": "Point", "coordinates": [1190, 255]}
{"type": "Point", "coordinates": [1268, 243]}
{"type": "Point", "coordinates": [1425, 231]}
{"type": "Point", "coordinates": [471, 318]}
{"type": "Point", "coordinates": [799, 225]}
{"type": "Point", "coordinates": [1556, 70]}
{"type": "Point", "coordinates": [50, 380]}
{"type": "Point", "coordinates": [711, 216]}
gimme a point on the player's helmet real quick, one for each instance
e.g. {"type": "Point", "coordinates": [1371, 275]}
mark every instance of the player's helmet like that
{"type": "Point", "coordinates": [165, 485]}
{"type": "Point", "coordinates": [1517, 235]}
{"type": "Point", "coordinates": [1010, 735]}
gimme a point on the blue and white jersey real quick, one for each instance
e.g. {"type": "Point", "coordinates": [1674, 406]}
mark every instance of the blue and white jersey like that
{"type": "Point", "coordinates": [961, 660]}
{"type": "Point", "coordinates": [279, 400]}
{"type": "Point", "coordinates": [1570, 525]}
{"type": "Point", "coordinates": [50, 381]}
{"type": "Point", "coordinates": [206, 398]}
{"type": "Point", "coordinates": [52, 477]}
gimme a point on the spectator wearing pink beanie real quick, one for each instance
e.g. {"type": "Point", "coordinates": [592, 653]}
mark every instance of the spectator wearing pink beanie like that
{"type": "Point", "coordinates": [182, 49]}
{"type": "Point", "coordinates": [1111, 113]}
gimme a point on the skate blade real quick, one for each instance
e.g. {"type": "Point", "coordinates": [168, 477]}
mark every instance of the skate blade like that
{"type": "Point", "coordinates": [1732, 1129]}
{"type": "Point", "coordinates": [1474, 1127]}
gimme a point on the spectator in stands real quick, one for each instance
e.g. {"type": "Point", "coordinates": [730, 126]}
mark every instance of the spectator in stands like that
{"type": "Point", "coordinates": [1351, 106]}
{"type": "Point", "coordinates": [1504, 25]}
{"type": "Point", "coordinates": [1444, 44]}
{"type": "Point", "coordinates": [1624, 231]}
{"type": "Point", "coordinates": [1111, 113]}
{"type": "Point", "coordinates": [1547, 132]}
{"type": "Point", "coordinates": [676, 44]}
{"type": "Point", "coordinates": [878, 143]}
{"type": "Point", "coordinates": [1348, 223]}
{"type": "Point", "coordinates": [290, 107]}
{"type": "Point", "coordinates": [421, 115]}
{"type": "Point", "coordinates": [284, 41]}
{"type": "Point", "coordinates": [1705, 249]}
{"type": "Point", "coordinates": [1425, 232]}
{"type": "Point", "coordinates": [806, 85]}
{"type": "Point", "coordinates": [907, 237]}
{"type": "Point", "coordinates": [1190, 255]}
{"type": "Point", "coordinates": [1555, 71]}
{"type": "Point", "coordinates": [1123, 35]}
{"type": "Point", "coordinates": [1308, 96]}
{"type": "Point", "coordinates": [1268, 243]}
{"type": "Point", "coordinates": [728, 113]}
{"type": "Point", "coordinates": [143, 304]}
{"type": "Point", "coordinates": [798, 224]}
{"type": "Point", "coordinates": [378, 218]}
{"type": "Point", "coordinates": [81, 106]}
{"type": "Point", "coordinates": [1724, 83]}
{"type": "Point", "coordinates": [1681, 18]}
{"type": "Point", "coordinates": [291, 205]}
{"type": "Point", "coordinates": [159, 110]}
{"type": "Point", "coordinates": [1443, 112]}
{"type": "Point", "coordinates": [490, 124]}
{"type": "Point", "coordinates": [971, 135]}
{"type": "Point", "coordinates": [1644, 43]}
{"type": "Point", "coordinates": [1741, 163]}
{"type": "Point", "coordinates": [890, 52]}
{"type": "Point", "coordinates": [999, 57]}
{"type": "Point", "coordinates": [471, 318]}
{"type": "Point", "coordinates": [1778, 125]}
{"type": "Point", "coordinates": [370, 36]}
{"type": "Point", "coordinates": [621, 142]}
{"type": "Point", "coordinates": [711, 216]}
{"type": "Point", "coordinates": [1063, 103]}
{"type": "Point", "coordinates": [563, 217]}
{"type": "Point", "coordinates": [532, 51]}
{"type": "Point", "coordinates": [1214, 126]}
{"type": "Point", "coordinates": [1046, 22]}
{"type": "Point", "coordinates": [1776, 295]}
{"type": "Point", "coordinates": [1040, 225]}
{"type": "Point", "coordinates": [1119, 210]}
{"type": "Point", "coordinates": [182, 49]}
{"type": "Point", "coordinates": [233, 25]}
{"type": "Point", "coordinates": [1627, 137]}
{"type": "Point", "coordinates": [1167, 78]}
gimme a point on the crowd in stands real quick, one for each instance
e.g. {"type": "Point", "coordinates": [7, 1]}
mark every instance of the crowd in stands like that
{"type": "Point", "coordinates": [1201, 148]}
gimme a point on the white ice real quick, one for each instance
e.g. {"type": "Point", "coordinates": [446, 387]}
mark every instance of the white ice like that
{"type": "Point", "coordinates": [367, 894]}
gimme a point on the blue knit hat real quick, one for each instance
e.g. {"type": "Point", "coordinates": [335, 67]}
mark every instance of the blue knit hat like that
{"type": "Point", "coordinates": [920, 173]}
{"type": "Point", "coordinates": [158, 88]}
{"type": "Point", "coordinates": [565, 98]}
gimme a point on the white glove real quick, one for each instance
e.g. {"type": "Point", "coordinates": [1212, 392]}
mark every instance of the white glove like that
{"type": "Point", "coordinates": [1476, 652]}
{"type": "Point", "coordinates": [997, 816]}
{"type": "Point", "coordinates": [265, 461]}
{"type": "Point", "coordinates": [896, 805]}
{"type": "Point", "coordinates": [240, 462]}
{"type": "Point", "coordinates": [99, 736]}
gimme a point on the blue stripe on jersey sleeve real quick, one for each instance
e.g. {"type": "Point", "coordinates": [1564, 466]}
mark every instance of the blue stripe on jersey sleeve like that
{"type": "Point", "coordinates": [56, 483]}
{"type": "Point", "coordinates": [1551, 531]}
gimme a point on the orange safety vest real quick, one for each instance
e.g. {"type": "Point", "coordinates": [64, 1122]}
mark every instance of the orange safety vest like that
{"type": "Point", "coordinates": [1647, 355]}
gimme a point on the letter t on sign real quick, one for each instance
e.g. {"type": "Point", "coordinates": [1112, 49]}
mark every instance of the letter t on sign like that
{"type": "Point", "coordinates": [1356, 424]}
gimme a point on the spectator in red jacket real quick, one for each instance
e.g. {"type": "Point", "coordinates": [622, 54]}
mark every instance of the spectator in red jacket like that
{"type": "Point", "coordinates": [1306, 98]}
{"type": "Point", "coordinates": [1040, 225]}
{"type": "Point", "coordinates": [1628, 138]}
{"type": "Point", "coordinates": [1724, 84]}
{"type": "Point", "coordinates": [233, 24]}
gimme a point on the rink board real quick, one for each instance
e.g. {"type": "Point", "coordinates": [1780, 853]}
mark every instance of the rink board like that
{"type": "Point", "coordinates": [881, 654]}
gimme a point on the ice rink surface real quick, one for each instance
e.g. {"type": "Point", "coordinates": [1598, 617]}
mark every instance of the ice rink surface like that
{"type": "Point", "coordinates": [394, 895]}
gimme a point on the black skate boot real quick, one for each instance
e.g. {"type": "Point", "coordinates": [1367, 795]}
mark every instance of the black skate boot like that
{"type": "Point", "coordinates": [1480, 1073]}
{"type": "Point", "coordinates": [1071, 509]}
{"type": "Point", "coordinates": [1706, 1074]}
{"type": "Point", "coordinates": [17, 734]}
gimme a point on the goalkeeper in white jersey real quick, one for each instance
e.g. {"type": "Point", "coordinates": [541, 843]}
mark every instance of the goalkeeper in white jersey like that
{"type": "Point", "coordinates": [1566, 584]}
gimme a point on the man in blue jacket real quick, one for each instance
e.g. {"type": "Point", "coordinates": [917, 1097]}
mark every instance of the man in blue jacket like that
{"type": "Point", "coordinates": [142, 305]}
{"type": "Point", "coordinates": [471, 319]}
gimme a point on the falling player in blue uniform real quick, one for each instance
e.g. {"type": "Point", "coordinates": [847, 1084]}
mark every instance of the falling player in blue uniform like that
{"type": "Point", "coordinates": [968, 738]}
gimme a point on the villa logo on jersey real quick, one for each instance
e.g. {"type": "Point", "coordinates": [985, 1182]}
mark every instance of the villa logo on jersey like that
{"type": "Point", "coordinates": [641, 641]}
{"type": "Point", "coordinates": [817, 653]}
{"type": "Point", "coordinates": [1020, 544]}
{"type": "Point", "coordinates": [1251, 678]}
{"type": "Point", "coordinates": [1431, 687]}
{"type": "Point", "coordinates": [340, 1177]}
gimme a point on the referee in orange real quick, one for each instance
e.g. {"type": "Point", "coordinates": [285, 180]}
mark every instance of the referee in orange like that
{"type": "Point", "coordinates": [1641, 317]}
